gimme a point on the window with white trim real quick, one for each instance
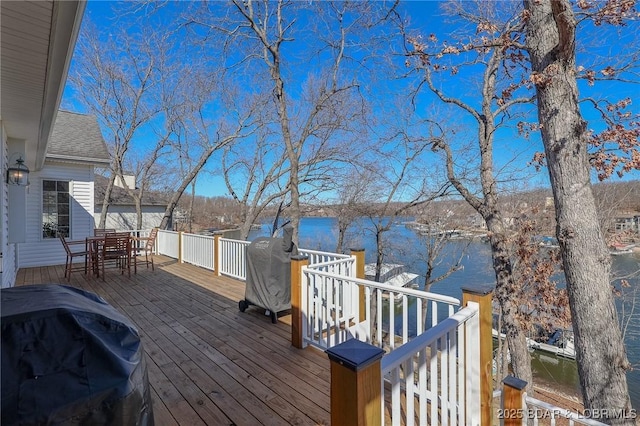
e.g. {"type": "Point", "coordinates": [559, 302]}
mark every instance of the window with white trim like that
{"type": "Point", "coordinates": [56, 208]}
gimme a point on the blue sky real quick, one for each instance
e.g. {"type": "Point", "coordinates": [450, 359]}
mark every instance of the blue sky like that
{"type": "Point", "coordinates": [426, 18]}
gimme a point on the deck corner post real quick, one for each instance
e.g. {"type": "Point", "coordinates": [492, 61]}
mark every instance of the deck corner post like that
{"type": "Point", "coordinates": [297, 263]}
{"type": "Point", "coordinates": [217, 253]}
{"type": "Point", "coordinates": [180, 247]}
{"type": "Point", "coordinates": [356, 390]}
{"type": "Point", "coordinates": [513, 407]}
{"type": "Point", "coordinates": [483, 296]}
{"type": "Point", "coordinates": [359, 254]}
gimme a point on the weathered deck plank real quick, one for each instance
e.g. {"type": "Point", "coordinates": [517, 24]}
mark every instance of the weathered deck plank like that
{"type": "Point", "coordinates": [207, 362]}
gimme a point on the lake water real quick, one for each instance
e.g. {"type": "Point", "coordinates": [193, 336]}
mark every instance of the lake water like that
{"type": "Point", "coordinates": [406, 247]}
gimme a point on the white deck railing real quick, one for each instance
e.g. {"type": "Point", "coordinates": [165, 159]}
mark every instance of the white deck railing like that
{"type": "Point", "coordinates": [198, 250]}
{"type": "Point", "coordinates": [434, 378]}
{"type": "Point", "coordinates": [330, 305]}
{"type": "Point", "coordinates": [168, 244]}
{"type": "Point", "coordinates": [316, 257]}
{"type": "Point", "coordinates": [233, 258]}
{"type": "Point", "coordinates": [537, 410]}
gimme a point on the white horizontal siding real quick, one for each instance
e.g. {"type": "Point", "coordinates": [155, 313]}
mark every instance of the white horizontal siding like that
{"type": "Point", "coordinates": [7, 251]}
{"type": "Point", "coordinates": [124, 217]}
{"type": "Point", "coordinates": [8, 266]}
{"type": "Point", "coordinates": [37, 251]}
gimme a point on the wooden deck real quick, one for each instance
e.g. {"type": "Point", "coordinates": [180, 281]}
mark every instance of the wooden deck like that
{"type": "Point", "coordinates": [208, 363]}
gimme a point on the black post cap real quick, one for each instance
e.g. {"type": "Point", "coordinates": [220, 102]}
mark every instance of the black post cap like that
{"type": "Point", "coordinates": [514, 382]}
{"type": "Point", "coordinates": [354, 354]}
{"type": "Point", "coordinates": [478, 289]}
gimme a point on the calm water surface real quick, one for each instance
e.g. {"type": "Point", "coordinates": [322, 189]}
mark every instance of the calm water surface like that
{"type": "Point", "coordinates": [407, 247]}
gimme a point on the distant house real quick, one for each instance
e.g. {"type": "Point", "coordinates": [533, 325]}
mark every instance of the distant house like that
{"type": "Point", "coordinates": [59, 148]}
{"type": "Point", "coordinates": [627, 223]}
{"type": "Point", "coordinates": [121, 214]}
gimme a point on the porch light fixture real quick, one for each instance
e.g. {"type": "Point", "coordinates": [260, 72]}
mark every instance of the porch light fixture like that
{"type": "Point", "coordinates": [18, 174]}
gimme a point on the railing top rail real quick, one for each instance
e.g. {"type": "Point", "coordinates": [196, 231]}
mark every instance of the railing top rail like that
{"type": "Point", "coordinates": [397, 356]}
{"type": "Point", "coordinates": [408, 291]}
{"type": "Point", "coordinates": [167, 232]}
{"type": "Point", "coordinates": [186, 234]}
{"type": "Point", "coordinates": [561, 411]}
{"type": "Point", "coordinates": [325, 253]}
{"type": "Point", "coordinates": [330, 262]}
{"type": "Point", "coordinates": [231, 240]}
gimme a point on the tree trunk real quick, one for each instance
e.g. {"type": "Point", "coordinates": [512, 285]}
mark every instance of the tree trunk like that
{"type": "Point", "coordinates": [292, 154]}
{"type": "Point", "coordinates": [105, 201]}
{"type": "Point", "coordinates": [138, 202]}
{"type": "Point", "coordinates": [505, 289]}
{"type": "Point", "coordinates": [600, 351]}
{"type": "Point", "coordinates": [173, 202]}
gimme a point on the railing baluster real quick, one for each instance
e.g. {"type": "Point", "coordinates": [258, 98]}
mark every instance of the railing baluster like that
{"type": "Point", "coordinates": [444, 380]}
{"type": "Point", "coordinates": [392, 321]}
{"type": "Point", "coordinates": [379, 316]}
{"type": "Point", "coordinates": [422, 385]}
{"type": "Point", "coordinates": [453, 380]}
{"type": "Point", "coordinates": [433, 373]}
{"type": "Point", "coordinates": [409, 381]}
{"type": "Point", "coordinates": [405, 319]}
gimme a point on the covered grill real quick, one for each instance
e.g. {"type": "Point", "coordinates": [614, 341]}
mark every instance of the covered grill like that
{"type": "Point", "coordinates": [268, 283]}
{"type": "Point", "coordinates": [69, 358]}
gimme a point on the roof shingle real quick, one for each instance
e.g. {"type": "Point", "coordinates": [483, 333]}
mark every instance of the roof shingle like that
{"type": "Point", "coordinates": [77, 137]}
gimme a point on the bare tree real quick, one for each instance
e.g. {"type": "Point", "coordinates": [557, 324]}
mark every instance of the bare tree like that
{"type": "Point", "coordinates": [200, 135]}
{"type": "Point", "coordinates": [122, 80]}
{"type": "Point", "coordinates": [600, 351]}
{"type": "Point", "coordinates": [488, 116]}
{"type": "Point", "coordinates": [253, 175]}
{"type": "Point", "coordinates": [265, 33]}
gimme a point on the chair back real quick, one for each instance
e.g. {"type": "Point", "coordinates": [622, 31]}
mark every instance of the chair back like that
{"type": "Point", "coordinates": [99, 232]}
{"type": "Point", "coordinates": [64, 243]}
{"type": "Point", "coordinates": [116, 244]}
{"type": "Point", "coordinates": [152, 239]}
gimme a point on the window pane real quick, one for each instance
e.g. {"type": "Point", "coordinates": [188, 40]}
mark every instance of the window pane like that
{"type": "Point", "coordinates": [63, 220]}
{"type": "Point", "coordinates": [63, 208]}
{"type": "Point", "coordinates": [63, 198]}
{"type": "Point", "coordinates": [64, 231]}
{"type": "Point", "coordinates": [63, 186]}
{"type": "Point", "coordinates": [49, 198]}
{"type": "Point", "coordinates": [49, 185]}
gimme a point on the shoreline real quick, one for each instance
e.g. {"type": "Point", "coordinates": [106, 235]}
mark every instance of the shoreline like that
{"type": "Point", "coordinates": [561, 398]}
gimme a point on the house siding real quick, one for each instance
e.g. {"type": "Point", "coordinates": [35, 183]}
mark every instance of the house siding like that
{"type": "Point", "coordinates": [37, 251]}
{"type": "Point", "coordinates": [123, 217]}
{"type": "Point", "coordinates": [7, 251]}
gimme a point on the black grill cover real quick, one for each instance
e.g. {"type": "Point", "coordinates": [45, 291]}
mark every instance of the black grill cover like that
{"type": "Point", "coordinates": [69, 358]}
{"type": "Point", "coordinates": [268, 283]}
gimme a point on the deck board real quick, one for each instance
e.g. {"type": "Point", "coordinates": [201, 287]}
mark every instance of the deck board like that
{"type": "Point", "coordinates": [208, 363]}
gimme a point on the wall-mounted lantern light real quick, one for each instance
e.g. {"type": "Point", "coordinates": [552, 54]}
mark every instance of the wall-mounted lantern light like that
{"type": "Point", "coordinates": [18, 174]}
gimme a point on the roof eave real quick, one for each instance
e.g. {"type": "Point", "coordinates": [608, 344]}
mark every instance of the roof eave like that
{"type": "Point", "coordinates": [66, 21]}
{"type": "Point", "coordinates": [78, 160]}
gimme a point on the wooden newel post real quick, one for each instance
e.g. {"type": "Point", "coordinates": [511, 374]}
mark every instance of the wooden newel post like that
{"type": "Point", "coordinates": [356, 385]}
{"type": "Point", "coordinates": [359, 255]}
{"type": "Point", "coordinates": [483, 296]}
{"type": "Point", "coordinates": [513, 410]}
{"type": "Point", "coordinates": [297, 263]}
{"type": "Point", "coordinates": [216, 253]}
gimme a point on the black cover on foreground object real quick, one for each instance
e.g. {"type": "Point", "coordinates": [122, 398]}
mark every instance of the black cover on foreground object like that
{"type": "Point", "coordinates": [268, 283]}
{"type": "Point", "coordinates": [69, 358]}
